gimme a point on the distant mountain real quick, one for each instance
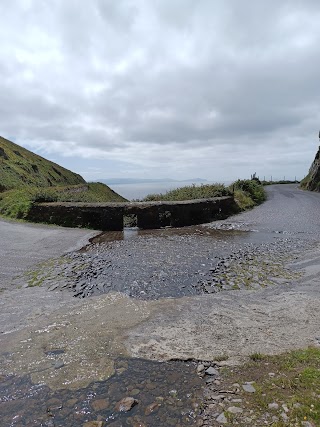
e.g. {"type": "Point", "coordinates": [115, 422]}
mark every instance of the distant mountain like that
{"type": "Point", "coordinates": [312, 180]}
{"type": "Point", "coordinates": [119, 181]}
{"type": "Point", "coordinates": [20, 168]}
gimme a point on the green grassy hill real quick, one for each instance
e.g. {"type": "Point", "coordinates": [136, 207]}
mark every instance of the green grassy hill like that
{"type": "Point", "coordinates": [20, 168]}
{"type": "Point", "coordinates": [26, 178]}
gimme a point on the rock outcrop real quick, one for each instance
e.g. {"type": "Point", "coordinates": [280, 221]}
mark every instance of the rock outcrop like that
{"type": "Point", "coordinates": [312, 180]}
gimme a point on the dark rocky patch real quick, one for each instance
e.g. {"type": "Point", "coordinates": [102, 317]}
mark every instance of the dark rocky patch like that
{"type": "Point", "coordinates": [3, 154]}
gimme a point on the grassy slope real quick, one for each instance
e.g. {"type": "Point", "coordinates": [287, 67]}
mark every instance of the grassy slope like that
{"type": "Point", "coordinates": [294, 385]}
{"type": "Point", "coordinates": [26, 178]}
{"type": "Point", "coordinates": [247, 193]}
{"type": "Point", "coordinates": [21, 168]}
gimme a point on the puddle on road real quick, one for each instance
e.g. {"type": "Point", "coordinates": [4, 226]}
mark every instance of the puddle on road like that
{"type": "Point", "coordinates": [167, 394]}
{"type": "Point", "coordinates": [233, 235]}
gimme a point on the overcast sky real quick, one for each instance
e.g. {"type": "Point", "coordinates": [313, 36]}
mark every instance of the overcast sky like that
{"type": "Point", "coordinates": [216, 89]}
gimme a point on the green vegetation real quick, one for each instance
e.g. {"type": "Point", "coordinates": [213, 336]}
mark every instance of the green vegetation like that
{"type": "Point", "coordinates": [312, 181]}
{"type": "Point", "coordinates": [289, 382]}
{"type": "Point", "coordinates": [26, 178]}
{"type": "Point", "coordinates": [247, 192]}
{"type": "Point", "coordinates": [20, 168]}
{"type": "Point", "coordinates": [17, 203]}
{"type": "Point", "coordinates": [191, 192]}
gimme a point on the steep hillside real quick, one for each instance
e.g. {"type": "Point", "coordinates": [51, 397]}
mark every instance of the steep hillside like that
{"type": "Point", "coordinates": [312, 180]}
{"type": "Point", "coordinates": [20, 168]}
{"type": "Point", "coordinates": [26, 178]}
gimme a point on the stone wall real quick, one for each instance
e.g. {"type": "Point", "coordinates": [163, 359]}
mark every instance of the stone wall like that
{"type": "Point", "coordinates": [109, 216]}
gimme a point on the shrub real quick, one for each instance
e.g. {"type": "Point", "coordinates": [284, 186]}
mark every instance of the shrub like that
{"type": "Point", "coordinates": [191, 192]}
{"type": "Point", "coordinates": [252, 188]}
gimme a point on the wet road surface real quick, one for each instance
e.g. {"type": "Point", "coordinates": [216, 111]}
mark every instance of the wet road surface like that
{"type": "Point", "coordinates": [250, 250]}
{"type": "Point", "coordinates": [24, 245]}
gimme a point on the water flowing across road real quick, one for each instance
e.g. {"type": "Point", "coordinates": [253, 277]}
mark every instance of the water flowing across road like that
{"type": "Point", "coordinates": [229, 288]}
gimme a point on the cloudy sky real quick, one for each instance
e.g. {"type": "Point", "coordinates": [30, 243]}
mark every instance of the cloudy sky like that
{"type": "Point", "coordinates": [216, 89]}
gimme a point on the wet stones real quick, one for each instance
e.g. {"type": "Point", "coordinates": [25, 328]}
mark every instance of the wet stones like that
{"type": "Point", "coordinates": [254, 267]}
{"type": "Point", "coordinates": [100, 404]}
{"type": "Point", "coordinates": [169, 394]}
{"type": "Point", "coordinates": [94, 424]}
{"type": "Point", "coordinates": [126, 404]}
{"type": "Point", "coordinates": [153, 407]}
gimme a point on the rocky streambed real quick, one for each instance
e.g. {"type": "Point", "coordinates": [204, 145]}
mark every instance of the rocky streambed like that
{"type": "Point", "coordinates": [173, 263]}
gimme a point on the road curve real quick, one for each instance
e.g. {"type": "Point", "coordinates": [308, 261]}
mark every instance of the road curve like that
{"type": "Point", "coordinates": [287, 209]}
{"type": "Point", "coordinates": [25, 245]}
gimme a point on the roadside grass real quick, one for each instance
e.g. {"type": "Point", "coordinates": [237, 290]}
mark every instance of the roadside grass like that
{"type": "Point", "coordinates": [190, 192]}
{"type": "Point", "coordinates": [256, 357]}
{"type": "Point", "coordinates": [290, 381]}
{"type": "Point", "coordinates": [247, 193]}
{"type": "Point", "coordinates": [17, 203]}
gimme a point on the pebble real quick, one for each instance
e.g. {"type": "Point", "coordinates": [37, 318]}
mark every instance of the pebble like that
{"type": "Point", "coordinates": [222, 418]}
{"type": "Point", "coordinates": [212, 371]}
{"type": "Point", "coordinates": [273, 405]}
{"type": "Point", "coordinates": [100, 404]}
{"type": "Point", "coordinates": [235, 410]}
{"type": "Point", "coordinates": [125, 404]}
{"type": "Point", "coordinates": [248, 388]}
{"type": "Point", "coordinates": [58, 364]}
{"type": "Point", "coordinates": [94, 424]}
{"type": "Point", "coordinates": [200, 368]}
{"type": "Point", "coordinates": [284, 416]}
{"type": "Point", "coordinates": [153, 407]}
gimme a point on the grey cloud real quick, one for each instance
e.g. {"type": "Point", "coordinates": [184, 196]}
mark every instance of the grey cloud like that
{"type": "Point", "coordinates": [231, 77]}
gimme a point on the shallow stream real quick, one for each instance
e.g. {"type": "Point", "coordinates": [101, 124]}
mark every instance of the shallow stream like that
{"type": "Point", "coordinates": [166, 394]}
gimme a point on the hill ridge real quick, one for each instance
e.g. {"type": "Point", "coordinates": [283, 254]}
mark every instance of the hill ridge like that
{"type": "Point", "coordinates": [20, 167]}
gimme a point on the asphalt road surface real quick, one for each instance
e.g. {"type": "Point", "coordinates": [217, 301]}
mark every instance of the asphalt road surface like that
{"type": "Point", "coordinates": [23, 245]}
{"type": "Point", "coordinates": [287, 209]}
